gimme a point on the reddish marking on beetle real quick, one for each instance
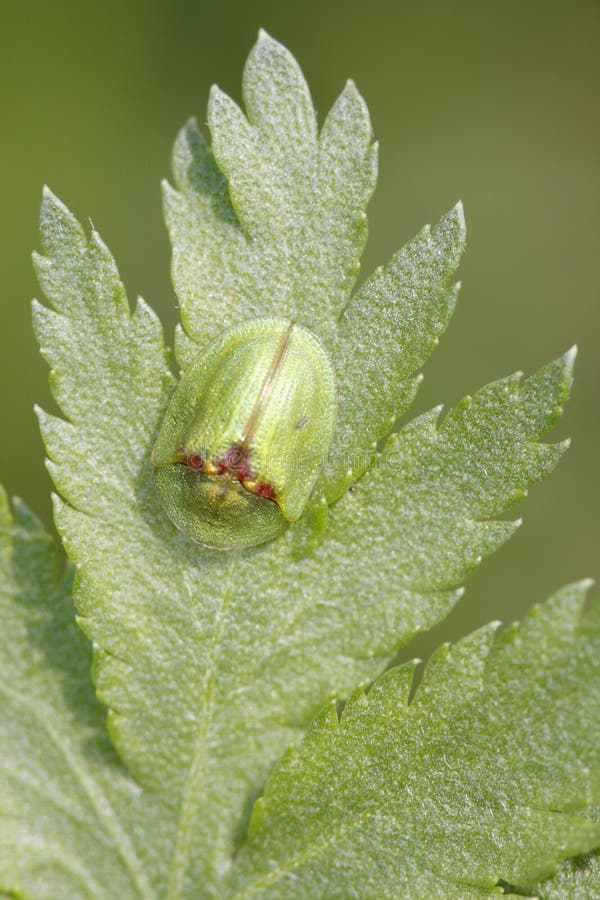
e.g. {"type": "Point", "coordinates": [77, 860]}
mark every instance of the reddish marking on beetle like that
{"type": "Point", "coordinates": [265, 490]}
{"type": "Point", "coordinates": [244, 470]}
{"type": "Point", "coordinates": [236, 462]}
{"type": "Point", "coordinates": [194, 461]}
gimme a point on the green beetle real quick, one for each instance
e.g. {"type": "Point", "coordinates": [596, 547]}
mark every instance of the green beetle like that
{"type": "Point", "coordinates": [246, 434]}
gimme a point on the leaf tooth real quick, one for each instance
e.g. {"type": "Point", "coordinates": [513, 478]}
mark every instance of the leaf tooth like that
{"type": "Point", "coordinates": [547, 390]}
{"type": "Point", "coordinates": [224, 111]}
{"type": "Point", "coordinates": [450, 233]}
{"type": "Point", "coordinates": [61, 233]}
{"type": "Point", "coordinates": [570, 356]}
{"type": "Point", "coordinates": [561, 613]}
{"type": "Point", "coordinates": [48, 325]}
{"type": "Point", "coordinates": [55, 432]}
{"type": "Point", "coordinates": [234, 147]}
{"type": "Point", "coordinates": [189, 143]}
{"type": "Point", "coordinates": [258, 815]}
{"type": "Point", "coordinates": [397, 682]}
{"type": "Point", "coordinates": [172, 198]}
{"type": "Point", "coordinates": [328, 719]}
{"type": "Point", "coordinates": [347, 126]}
{"type": "Point", "coordinates": [584, 585]}
{"type": "Point", "coordinates": [276, 95]}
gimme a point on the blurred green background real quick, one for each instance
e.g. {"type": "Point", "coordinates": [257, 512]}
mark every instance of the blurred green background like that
{"type": "Point", "coordinates": [495, 103]}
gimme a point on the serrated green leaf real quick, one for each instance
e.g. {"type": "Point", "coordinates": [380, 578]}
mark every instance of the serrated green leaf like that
{"type": "Point", "coordinates": [384, 336]}
{"type": "Point", "coordinates": [210, 664]}
{"type": "Point", "coordinates": [276, 225]}
{"type": "Point", "coordinates": [477, 779]}
{"type": "Point", "coordinates": [68, 811]}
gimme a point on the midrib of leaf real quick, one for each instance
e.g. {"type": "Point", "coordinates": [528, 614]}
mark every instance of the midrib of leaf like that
{"type": "Point", "coordinates": [99, 801]}
{"type": "Point", "coordinates": [195, 783]}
